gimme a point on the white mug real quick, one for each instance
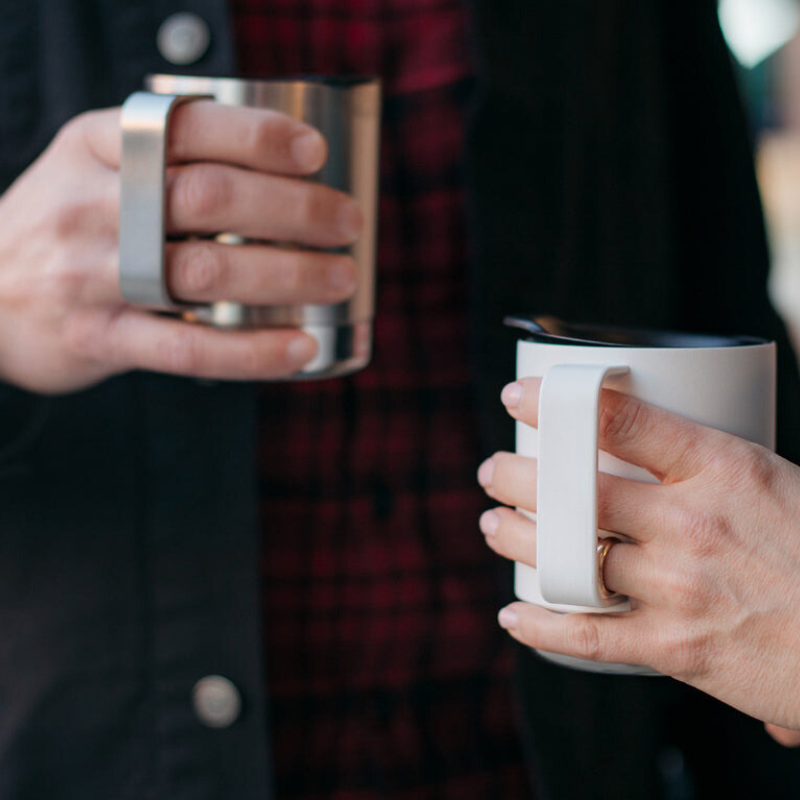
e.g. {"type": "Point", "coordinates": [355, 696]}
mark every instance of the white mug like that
{"type": "Point", "coordinates": [722, 382]}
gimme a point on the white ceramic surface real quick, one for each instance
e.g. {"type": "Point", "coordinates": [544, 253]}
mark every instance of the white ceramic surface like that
{"type": "Point", "coordinates": [729, 388]}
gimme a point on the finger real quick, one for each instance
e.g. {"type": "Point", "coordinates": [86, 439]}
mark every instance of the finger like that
{"type": "Point", "coordinates": [132, 339]}
{"type": "Point", "coordinates": [596, 637]}
{"type": "Point", "coordinates": [510, 534]}
{"type": "Point", "coordinates": [784, 736]}
{"type": "Point", "coordinates": [203, 271]}
{"type": "Point", "coordinates": [627, 571]}
{"type": "Point", "coordinates": [209, 198]}
{"type": "Point", "coordinates": [258, 139]}
{"type": "Point", "coordinates": [633, 508]}
{"type": "Point", "coordinates": [669, 446]}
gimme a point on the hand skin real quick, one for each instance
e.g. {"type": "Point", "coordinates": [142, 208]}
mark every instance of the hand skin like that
{"type": "Point", "coordinates": [63, 322]}
{"type": "Point", "coordinates": [712, 565]}
{"type": "Point", "coordinates": [784, 736]}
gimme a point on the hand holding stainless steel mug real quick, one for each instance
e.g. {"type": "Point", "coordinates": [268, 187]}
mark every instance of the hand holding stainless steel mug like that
{"type": "Point", "coordinates": [710, 560]}
{"type": "Point", "coordinates": [64, 324]}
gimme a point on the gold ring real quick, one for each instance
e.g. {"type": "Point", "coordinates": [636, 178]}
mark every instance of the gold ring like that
{"type": "Point", "coordinates": [603, 548]}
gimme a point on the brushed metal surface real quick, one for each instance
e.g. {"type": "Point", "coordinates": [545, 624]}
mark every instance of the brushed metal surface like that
{"type": "Point", "coordinates": [144, 122]}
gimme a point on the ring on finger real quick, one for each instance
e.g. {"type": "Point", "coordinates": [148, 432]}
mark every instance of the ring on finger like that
{"type": "Point", "coordinates": [603, 548]}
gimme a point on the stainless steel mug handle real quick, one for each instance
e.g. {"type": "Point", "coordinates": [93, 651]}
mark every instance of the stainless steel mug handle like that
{"type": "Point", "coordinates": [145, 122]}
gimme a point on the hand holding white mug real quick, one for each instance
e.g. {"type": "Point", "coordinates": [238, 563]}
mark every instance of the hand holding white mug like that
{"type": "Point", "coordinates": [63, 322]}
{"type": "Point", "coordinates": [712, 565]}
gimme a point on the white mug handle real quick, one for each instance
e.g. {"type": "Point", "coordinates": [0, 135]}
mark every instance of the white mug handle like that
{"type": "Point", "coordinates": [566, 502]}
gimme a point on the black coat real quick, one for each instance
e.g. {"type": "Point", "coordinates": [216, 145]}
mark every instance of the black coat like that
{"type": "Point", "coordinates": [610, 180]}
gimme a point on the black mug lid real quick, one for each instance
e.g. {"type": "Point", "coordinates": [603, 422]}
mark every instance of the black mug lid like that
{"type": "Point", "coordinates": [555, 331]}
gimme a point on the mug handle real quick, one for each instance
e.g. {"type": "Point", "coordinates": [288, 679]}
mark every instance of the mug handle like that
{"type": "Point", "coordinates": [566, 503]}
{"type": "Point", "coordinates": [144, 124]}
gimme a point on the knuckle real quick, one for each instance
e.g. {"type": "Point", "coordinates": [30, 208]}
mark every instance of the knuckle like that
{"type": "Point", "coordinates": [687, 588]}
{"type": "Point", "coordinates": [182, 352]}
{"type": "Point", "coordinates": [311, 204]}
{"type": "Point", "coordinates": [685, 652]}
{"type": "Point", "coordinates": [70, 216]}
{"type": "Point", "coordinates": [200, 268]}
{"type": "Point", "coordinates": [620, 416]}
{"type": "Point", "coordinates": [586, 638]}
{"type": "Point", "coordinates": [754, 467]}
{"type": "Point", "coordinates": [259, 136]}
{"type": "Point", "coordinates": [314, 267]}
{"type": "Point", "coordinates": [705, 531]}
{"type": "Point", "coordinates": [251, 360]}
{"type": "Point", "coordinates": [202, 190]}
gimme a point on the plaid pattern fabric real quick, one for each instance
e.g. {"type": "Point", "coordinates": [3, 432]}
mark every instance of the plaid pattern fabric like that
{"type": "Point", "coordinates": [388, 675]}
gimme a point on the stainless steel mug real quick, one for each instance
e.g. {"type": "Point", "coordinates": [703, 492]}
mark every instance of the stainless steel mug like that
{"type": "Point", "coordinates": [347, 113]}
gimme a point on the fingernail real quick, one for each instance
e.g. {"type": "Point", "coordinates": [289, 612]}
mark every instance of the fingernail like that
{"type": "Point", "coordinates": [308, 150]}
{"type": "Point", "coordinates": [511, 395]}
{"type": "Point", "coordinates": [489, 523]}
{"type": "Point", "coordinates": [486, 472]}
{"type": "Point", "coordinates": [301, 350]}
{"type": "Point", "coordinates": [342, 276]}
{"type": "Point", "coordinates": [351, 220]}
{"type": "Point", "coordinates": [508, 618]}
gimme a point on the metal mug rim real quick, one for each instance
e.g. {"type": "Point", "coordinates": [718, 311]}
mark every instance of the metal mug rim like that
{"type": "Point", "coordinates": [347, 82]}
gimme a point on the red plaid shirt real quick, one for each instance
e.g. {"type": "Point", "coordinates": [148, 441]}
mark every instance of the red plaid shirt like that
{"type": "Point", "coordinates": [388, 676]}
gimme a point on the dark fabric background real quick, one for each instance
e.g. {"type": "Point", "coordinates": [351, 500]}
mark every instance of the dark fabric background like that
{"type": "Point", "coordinates": [613, 182]}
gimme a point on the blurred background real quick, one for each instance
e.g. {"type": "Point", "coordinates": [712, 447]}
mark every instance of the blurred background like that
{"type": "Point", "coordinates": [764, 39]}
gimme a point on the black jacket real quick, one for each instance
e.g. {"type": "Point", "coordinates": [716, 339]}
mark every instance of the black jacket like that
{"type": "Point", "coordinates": [610, 180]}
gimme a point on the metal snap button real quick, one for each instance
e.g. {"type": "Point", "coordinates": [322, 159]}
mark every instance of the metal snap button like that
{"type": "Point", "coordinates": [183, 38]}
{"type": "Point", "coordinates": [216, 701]}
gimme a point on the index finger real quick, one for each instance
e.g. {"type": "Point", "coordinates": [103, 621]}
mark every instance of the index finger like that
{"type": "Point", "coordinates": [203, 130]}
{"type": "Point", "coordinates": [667, 445]}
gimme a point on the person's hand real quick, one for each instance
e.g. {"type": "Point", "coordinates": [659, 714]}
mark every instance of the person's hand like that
{"type": "Point", "coordinates": [712, 565]}
{"type": "Point", "coordinates": [63, 322]}
{"type": "Point", "coordinates": [784, 736]}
